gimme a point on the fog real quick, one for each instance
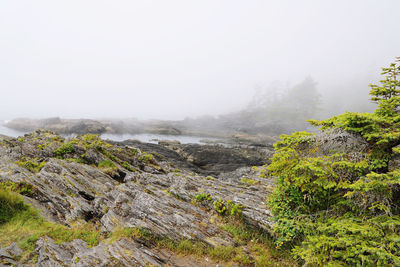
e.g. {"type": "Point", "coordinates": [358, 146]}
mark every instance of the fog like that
{"type": "Point", "coordinates": [177, 59]}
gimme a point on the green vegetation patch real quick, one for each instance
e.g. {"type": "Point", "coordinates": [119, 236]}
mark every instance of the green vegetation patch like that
{"type": "Point", "coordinates": [20, 187]}
{"type": "Point", "coordinates": [82, 149]}
{"type": "Point", "coordinates": [203, 197]}
{"type": "Point", "coordinates": [258, 243]}
{"type": "Point", "coordinates": [262, 253]}
{"type": "Point", "coordinates": [146, 158]}
{"type": "Point", "coordinates": [334, 209]}
{"type": "Point", "coordinates": [21, 223]}
{"type": "Point", "coordinates": [127, 166]}
{"type": "Point", "coordinates": [220, 206]}
{"type": "Point", "coordinates": [65, 149]}
{"type": "Point", "coordinates": [33, 165]}
{"type": "Point", "coordinates": [106, 164]}
{"type": "Point", "coordinates": [249, 181]}
{"type": "Point", "coordinates": [108, 167]}
{"type": "Point", "coordinates": [11, 204]}
{"type": "Point", "coordinates": [185, 246]}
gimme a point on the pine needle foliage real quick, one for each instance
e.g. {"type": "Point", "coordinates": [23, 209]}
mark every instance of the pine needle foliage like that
{"type": "Point", "coordinates": [336, 210]}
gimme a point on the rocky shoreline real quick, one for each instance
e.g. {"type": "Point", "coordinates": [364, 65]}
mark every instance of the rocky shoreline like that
{"type": "Point", "coordinates": [139, 204]}
{"type": "Point", "coordinates": [173, 191]}
{"type": "Point", "coordinates": [228, 135]}
{"type": "Point", "coordinates": [212, 159]}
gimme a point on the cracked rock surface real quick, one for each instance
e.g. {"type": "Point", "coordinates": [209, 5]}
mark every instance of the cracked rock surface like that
{"type": "Point", "coordinates": [117, 186]}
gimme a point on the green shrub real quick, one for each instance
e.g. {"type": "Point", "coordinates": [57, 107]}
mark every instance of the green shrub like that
{"type": "Point", "coordinates": [43, 146]}
{"type": "Point", "coordinates": [146, 158]}
{"type": "Point", "coordinates": [33, 165]}
{"type": "Point", "coordinates": [220, 207]}
{"type": "Point", "coordinates": [91, 141]}
{"type": "Point", "coordinates": [203, 197]}
{"type": "Point", "coordinates": [234, 209]}
{"type": "Point", "coordinates": [20, 187]}
{"type": "Point", "coordinates": [90, 138]}
{"type": "Point", "coordinates": [108, 167]}
{"type": "Point", "coordinates": [127, 166]}
{"type": "Point", "coordinates": [65, 149]}
{"type": "Point", "coordinates": [335, 210]}
{"type": "Point", "coordinates": [106, 164]}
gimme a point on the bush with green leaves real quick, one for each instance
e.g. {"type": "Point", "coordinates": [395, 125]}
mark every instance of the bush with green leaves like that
{"type": "Point", "coordinates": [203, 197]}
{"type": "Point", "coordinates": [32, 164]}
{"type": "Point", "coordinates": [234, 209]}
{"type": "Point", "coordinates": [65, 149]}
{"type": "Point", "coordinates": [333, 209]}
{"type": "Point", "coordinates": [220, 206]}
{"type": "Point", "coordinates": [20, 187]}
{"type": "Point", "coordinates": [146, 158]}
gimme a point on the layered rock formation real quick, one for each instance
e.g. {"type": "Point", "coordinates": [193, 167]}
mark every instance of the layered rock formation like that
{"type": "Point", "coordinates": [120, 185]}
{"type": "Point", "coordinates": [205, 159]}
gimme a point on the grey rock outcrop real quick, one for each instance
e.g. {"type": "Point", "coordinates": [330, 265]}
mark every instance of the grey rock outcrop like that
{"type": "Point", "coordinates": [205, 159]}
{"type": "Point", "coordinates": [10, 254]}
{"type": "Point", "coordinates": [124, 252]}
{"type": "Point", "coordinates": [340, 141]}
{"type": "Point", "coordinates": [136, 191]}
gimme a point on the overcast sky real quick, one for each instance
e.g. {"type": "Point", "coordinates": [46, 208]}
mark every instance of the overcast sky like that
{"type": "Point", "coordinates": [173, 59]}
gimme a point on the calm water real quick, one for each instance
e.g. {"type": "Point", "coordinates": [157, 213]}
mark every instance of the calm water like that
{"type": "Point", "coordinates": [9, 132]}
{"type": "Point", "coordinates": [154, 138]}
{"type": "Point", "coordinates": [148, 138]}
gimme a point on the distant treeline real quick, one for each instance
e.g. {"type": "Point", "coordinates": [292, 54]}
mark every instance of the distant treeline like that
{"type": "Point", "coordinates": [278, 108]}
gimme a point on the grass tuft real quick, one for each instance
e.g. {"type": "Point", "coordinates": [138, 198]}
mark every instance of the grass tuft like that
{"type": "Point", "coordinates": [19, 222]}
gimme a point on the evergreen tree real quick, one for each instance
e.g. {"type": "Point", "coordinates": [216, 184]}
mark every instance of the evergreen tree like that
{"type": "Point", "coordinates": [337, 208]}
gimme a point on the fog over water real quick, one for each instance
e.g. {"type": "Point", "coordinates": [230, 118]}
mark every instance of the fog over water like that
{"type": "Point", "coordinates": [9, 132]}
{"type": "Point", "coordinates": [144, 137]}
{"type": "Point", "coordinates": [175, 59]}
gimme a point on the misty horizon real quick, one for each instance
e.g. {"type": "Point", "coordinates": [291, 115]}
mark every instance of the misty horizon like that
{"type": "Point", "coordinates": [177, 59]}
